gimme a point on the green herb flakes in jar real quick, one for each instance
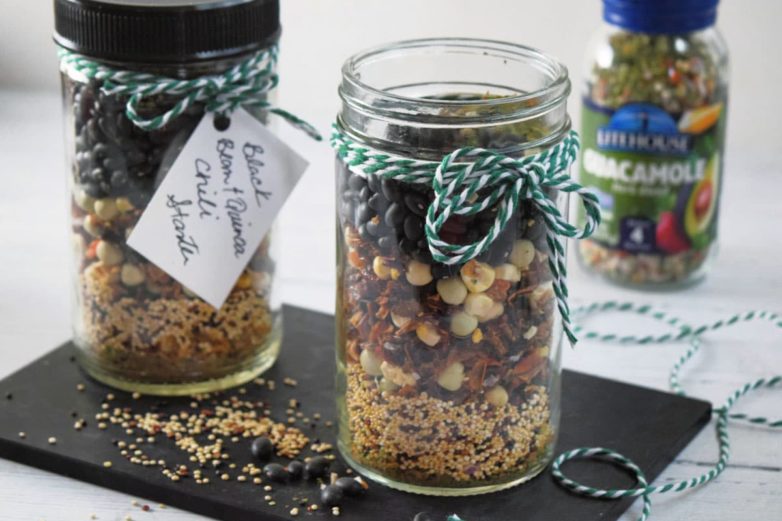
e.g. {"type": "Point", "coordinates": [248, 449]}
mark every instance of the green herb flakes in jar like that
{"type": "Point", "coordinates": [653, 127]}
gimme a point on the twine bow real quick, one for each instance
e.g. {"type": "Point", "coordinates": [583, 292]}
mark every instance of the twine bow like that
{"type": "Point", "coordinates": [470, 180]}
{"type": "Point", "coordinates": [246, 84]}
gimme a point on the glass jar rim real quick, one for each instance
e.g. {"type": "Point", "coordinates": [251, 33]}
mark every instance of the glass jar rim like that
{"type": "Point", "coordinates": [362, 95]}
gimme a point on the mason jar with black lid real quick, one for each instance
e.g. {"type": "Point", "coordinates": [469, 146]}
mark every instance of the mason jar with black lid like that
{"type": "Point", "coordinates": [136, 328]}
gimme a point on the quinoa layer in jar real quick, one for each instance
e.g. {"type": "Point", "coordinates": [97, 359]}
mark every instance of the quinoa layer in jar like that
{"type": "Point", "coordinates": [653, 127]}
{"type": "Point", "coordinates": [135, 326]}
{"type": "Point", "coordinates": [448, 375]}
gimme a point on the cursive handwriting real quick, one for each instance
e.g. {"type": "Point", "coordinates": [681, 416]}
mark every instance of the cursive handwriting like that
{"type": "Point", "coordinates": [205, 205]}
{"type": "Point", "coordinates": [235, 208]}
{"type": "Point", "coordinates": [226, 159]}
{"type": "Point", "coordinates": [186, 244]}
{"type": "Point", "coordinates": [254, 165]}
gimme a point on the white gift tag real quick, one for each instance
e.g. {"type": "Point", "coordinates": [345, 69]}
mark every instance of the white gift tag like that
{"type": "Point", "coordinates": [216, 204]}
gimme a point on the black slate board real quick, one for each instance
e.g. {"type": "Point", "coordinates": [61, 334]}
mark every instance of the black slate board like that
{"type": "Point", "coordinates": [649, 426]}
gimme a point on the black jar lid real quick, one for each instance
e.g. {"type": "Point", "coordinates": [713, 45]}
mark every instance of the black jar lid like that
{"type": "Point", "coordinates": [165, 31]}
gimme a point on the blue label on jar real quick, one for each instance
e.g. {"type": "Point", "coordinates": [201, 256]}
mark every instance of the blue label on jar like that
{"type": "Point", "coordinates": [636, 234]}
{"type": "Point", "coordinates": [643, 128]}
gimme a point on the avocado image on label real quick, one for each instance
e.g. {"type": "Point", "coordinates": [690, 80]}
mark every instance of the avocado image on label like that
{"type": "Point", "coordinates": [698, 205]}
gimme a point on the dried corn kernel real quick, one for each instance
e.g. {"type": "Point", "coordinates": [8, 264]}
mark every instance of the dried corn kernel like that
{"type": "Point", "coordinates": [507, 272]}
{"type": "Point", "coordinates": [478, 305]}
{"type": "Point", "coordinates": [380, 268]}
{"type": "Point", "coordinates": [451, 378]}
{"type": "Point", "coordinates": [83, 201]}
{"type": "Point", "coordinates": [399, 320]}
{"type": "Point", "coordinates": [131, 275]}
{"type": "Point", "coordinates": [452, 290]}
{"type": "Point", "coordinates": [477, 276]}
{"type": "Point", "coordinates": [427, 334]}
{"type": "Point", "coordinates": [523, 254]}
{"type": "Point", "coordinates": [92, 225]}
{"type": "Point", "coordinates": [370, 363]}
{"type": "Point", "coordinates": [124, 205]}
{"type": "Point", "coordinates": [496, 310]}
{"type": "Point", "coordinates": [109, 254]}
{"type": "Point", "coordinates": [419, 273]}
{"type": "Point", "coordinates": [106, 209]}
{"type": "Point", "coordinates": [463, 324]}
{"type": "Point", "coordinates": [497, 396]}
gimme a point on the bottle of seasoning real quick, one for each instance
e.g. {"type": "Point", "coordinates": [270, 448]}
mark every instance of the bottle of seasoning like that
{"type": "Point", "coordinates": [653, 128]}
{"type": "Point", "coordinates": [449, 316]}
{"type": "Point", "coordinates": [136, 327]}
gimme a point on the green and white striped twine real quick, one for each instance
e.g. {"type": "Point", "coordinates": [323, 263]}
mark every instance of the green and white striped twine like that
{"type": "Point", "coordinates": [470, 180]}
{"type": "Point", "coordinates": [693, 336]}
{"type": "Point", "coordinates": [244, 85]}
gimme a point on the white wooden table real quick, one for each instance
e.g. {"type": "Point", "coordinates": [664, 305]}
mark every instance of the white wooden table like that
{"type": "Point", "coordinates": [34, 317]}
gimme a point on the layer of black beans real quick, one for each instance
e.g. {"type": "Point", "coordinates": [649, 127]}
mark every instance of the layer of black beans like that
{"type": "Point", "coordinates": [115, 158]}
{"type": "Point", "coordinates": [390, 214]}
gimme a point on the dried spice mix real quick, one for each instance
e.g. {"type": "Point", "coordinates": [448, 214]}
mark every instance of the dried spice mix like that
{"type": "Point", "coordinates": [448, 373]}
{"type": "Point", "coordinates": [137, 327]}
{"type": "Point", "coordinates": [653, 127]}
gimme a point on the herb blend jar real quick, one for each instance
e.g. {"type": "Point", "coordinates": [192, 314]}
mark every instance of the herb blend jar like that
{"type": "Point", "coordinates": [451, 182]}
{"type": "Point", "coordinates": [653, 128]}
{"type": "Point", "coordinates": [135, 326]}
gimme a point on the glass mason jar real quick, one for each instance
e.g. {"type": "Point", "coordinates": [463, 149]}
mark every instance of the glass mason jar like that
{"type": "Point", "coordinates": [448, 375]}
{"type": "Point", "coordinates": [653, 128]}
{"type": "Point", "coordinates": [135, 327]}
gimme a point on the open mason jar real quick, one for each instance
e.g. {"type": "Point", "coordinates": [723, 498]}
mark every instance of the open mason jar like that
{"type": "Point", "coordinates": [448, 376]}
{"type": "Point", "coordinates": [137, 328]}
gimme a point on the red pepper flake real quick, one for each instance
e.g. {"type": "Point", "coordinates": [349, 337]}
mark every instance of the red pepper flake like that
{"type": "Point", "coordinates": [674, 76]}
{"type": "Point", "coordinates": [498, 291]}
{"type": "Point", "coordinates": [92, 250]}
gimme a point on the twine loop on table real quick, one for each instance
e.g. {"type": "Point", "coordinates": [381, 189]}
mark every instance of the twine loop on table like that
{"type": "Point", "coordinates": [243, 85]}
{"type": "Point", "coordinates": [470, 180]}
{"type": "Point", "coordinates": [723, 415]}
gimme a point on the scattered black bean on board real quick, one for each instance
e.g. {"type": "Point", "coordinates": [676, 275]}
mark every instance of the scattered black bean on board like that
{"type": "Point", "coordinates": [262, 448]}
